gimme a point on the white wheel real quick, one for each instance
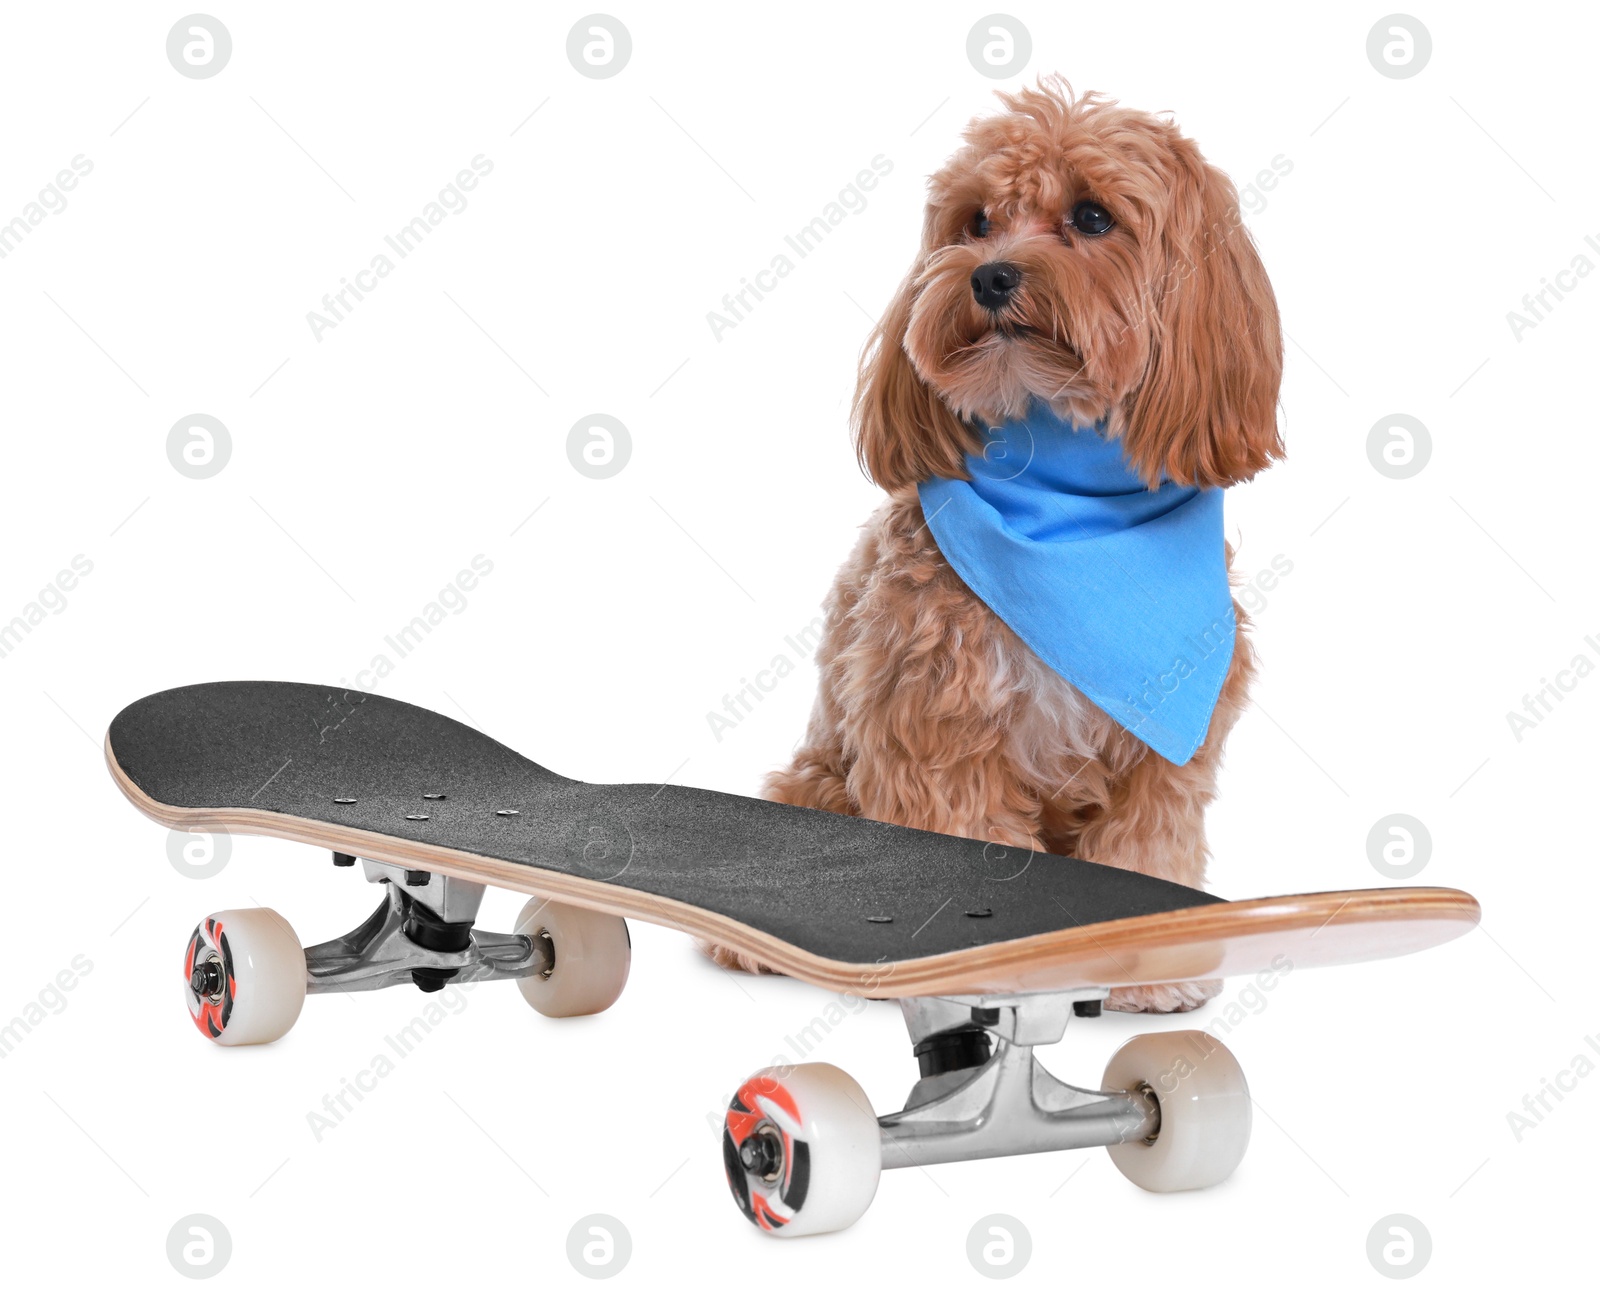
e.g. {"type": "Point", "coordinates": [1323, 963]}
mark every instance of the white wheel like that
{"type": "Point", "coordinates": [1205, 1110]}
{"type": "Point", "coordinates": [591, 958]}
{"type": "Point", "coordinates": [246, 975]}
{"type": "Point", "coordinates": [801, 1148]}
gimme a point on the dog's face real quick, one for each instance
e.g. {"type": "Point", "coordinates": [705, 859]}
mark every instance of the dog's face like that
{"type": "Point", "coordinates": [1087, 256]}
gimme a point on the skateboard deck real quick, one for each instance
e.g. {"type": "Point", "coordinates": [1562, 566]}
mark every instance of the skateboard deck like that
{"type": "Point", "coordinates": [844, 903]}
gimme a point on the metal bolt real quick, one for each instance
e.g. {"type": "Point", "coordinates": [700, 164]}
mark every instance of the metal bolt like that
{"type": "Point", "coordinates": [206, 980]}
{"type": "Point", "coordinates": [761, 1153]}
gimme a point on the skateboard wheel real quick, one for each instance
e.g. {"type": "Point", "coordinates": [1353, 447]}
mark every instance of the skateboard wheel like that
{"type": "Point", "coordinates": [801, 1148]}
{"type": "Point", "coordinates": [1205, 1110]}
{"type": "Point", "coordinates": [245, 975]}
{"type": "Point", "coordinates": [592, 954]}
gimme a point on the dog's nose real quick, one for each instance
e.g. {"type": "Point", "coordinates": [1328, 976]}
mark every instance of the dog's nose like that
{"type": "Point", "coordinates": [993, 283]}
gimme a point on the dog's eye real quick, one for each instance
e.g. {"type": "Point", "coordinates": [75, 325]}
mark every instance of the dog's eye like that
{"type": "Point", "coordinates": [1092, 219]}
{"type": "Point", "coordinates": [978, 226]}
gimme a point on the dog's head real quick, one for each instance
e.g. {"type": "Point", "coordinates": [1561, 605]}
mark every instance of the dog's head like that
{"type": "Point", "coordinates": [1088, 256]}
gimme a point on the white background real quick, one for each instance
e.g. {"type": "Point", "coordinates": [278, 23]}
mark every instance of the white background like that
{"type": "Point", "coordinates": [368, 467]}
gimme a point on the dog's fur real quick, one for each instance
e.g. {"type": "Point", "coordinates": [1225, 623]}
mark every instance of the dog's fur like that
{"type": "Point", "coordinates": [931, 711]}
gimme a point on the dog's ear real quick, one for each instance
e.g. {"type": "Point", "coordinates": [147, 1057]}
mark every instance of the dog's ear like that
{"type": "Point", "coordinates": [1206, 412]}
{"type": "Point", "coordinates": [904, 432]}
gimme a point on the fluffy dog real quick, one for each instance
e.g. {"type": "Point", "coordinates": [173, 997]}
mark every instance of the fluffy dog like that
{"type": "Point", "coordinates": [1086, 256]}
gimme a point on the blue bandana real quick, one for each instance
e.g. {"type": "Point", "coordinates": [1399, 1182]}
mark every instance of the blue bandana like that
{"type": "Point", "coordinates": [1121, 590]}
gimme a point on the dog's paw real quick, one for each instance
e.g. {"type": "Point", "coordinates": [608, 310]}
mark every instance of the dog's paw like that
{"type": "Point", "coordinates": [1182, 997]}
{"type": "Point", "coordinates": [733, 960]}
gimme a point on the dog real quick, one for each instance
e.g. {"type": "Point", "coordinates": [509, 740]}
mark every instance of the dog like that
{"type": "Point", "coordinates": [1083, 273]}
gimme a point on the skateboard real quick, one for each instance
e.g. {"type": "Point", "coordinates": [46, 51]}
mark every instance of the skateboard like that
{"type": "Point", "coordinates": [990, 950]}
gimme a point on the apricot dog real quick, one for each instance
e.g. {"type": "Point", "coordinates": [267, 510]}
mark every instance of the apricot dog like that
{"type": "Point", "coordinates": [1132, 302]}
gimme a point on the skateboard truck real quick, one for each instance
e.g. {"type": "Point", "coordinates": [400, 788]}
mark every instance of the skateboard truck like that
{"type": "Point", "coordinates": [803, 1150]}
{"type": "Point", "coordinates": [994, 1097]}
{"type": "Point", "coordinates": [422, 934]}
{"type": "Point", "coordinates": [248, 976]}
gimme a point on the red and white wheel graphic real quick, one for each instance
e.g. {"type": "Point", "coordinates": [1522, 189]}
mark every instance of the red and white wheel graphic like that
{"type": "Point", "coordinates": [801, 1149]}
{"type": "Point", "coordinates": [245, 976]}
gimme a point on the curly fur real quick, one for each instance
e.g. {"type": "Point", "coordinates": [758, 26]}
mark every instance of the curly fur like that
{"type": "Point", "coordinates": [931, 711]}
